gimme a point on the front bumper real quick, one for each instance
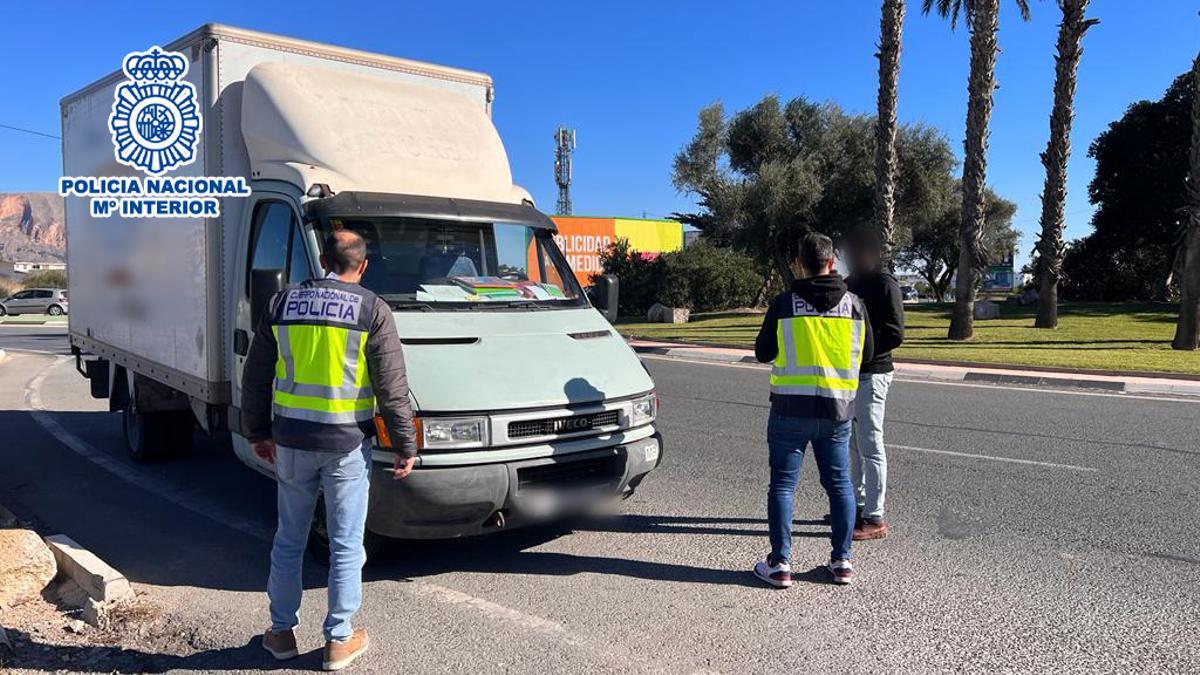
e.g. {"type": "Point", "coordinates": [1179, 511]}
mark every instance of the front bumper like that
{"type": "Point", "coordinates": [447, 502]}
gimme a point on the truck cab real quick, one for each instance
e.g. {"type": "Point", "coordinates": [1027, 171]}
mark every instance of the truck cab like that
{"type": "Point", "coordinates": [528, 404]}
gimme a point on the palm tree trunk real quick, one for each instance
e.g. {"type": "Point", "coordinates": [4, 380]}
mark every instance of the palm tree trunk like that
{"type": "Point", "coordinates": [891, 24]}
{"type": "Point", "coordinates": [984, 25]}
{"type": "Point", "coordinates": [1187, 331]}
{"type": "Point", "coordinates": [1058, 150]}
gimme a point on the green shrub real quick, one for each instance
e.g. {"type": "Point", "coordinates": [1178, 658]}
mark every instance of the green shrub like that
{"type": "Point", "coordinates": [716, 278]}
{"type": "Point", "coordinates": [674, 287]}
{"type": "Point", "coordinates": [701, 276]}
{"type": "Point", "coordinates": [639, 277]}
{"type": "Point", "coordinates": [45, 279]}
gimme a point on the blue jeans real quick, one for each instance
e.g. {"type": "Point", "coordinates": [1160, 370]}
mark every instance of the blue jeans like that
{"type": "Point", "coordinates": [344, 479]}
{"type": "Point", "coordinates": [787, 438]}
{"type": "Point", "coordinates": [868, 459]}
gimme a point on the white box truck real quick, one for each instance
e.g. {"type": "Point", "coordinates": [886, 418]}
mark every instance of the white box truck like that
{"type": "Point", "coordinates": [527, 400]}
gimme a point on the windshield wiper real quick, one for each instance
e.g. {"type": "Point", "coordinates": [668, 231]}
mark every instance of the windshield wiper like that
{"type": "Point", "coordinates": [516, 304]}
{"type": "Point", "coordinates": [405, 306]}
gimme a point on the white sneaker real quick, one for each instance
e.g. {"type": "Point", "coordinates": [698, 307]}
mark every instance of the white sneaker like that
{"type": "Point", "coordinates": [842, 571]}
{"type": "Point", "coordinates": [778, 575]}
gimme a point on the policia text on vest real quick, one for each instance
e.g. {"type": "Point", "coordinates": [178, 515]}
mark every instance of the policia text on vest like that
{"type": "Point", "coordinates": [332, 351]}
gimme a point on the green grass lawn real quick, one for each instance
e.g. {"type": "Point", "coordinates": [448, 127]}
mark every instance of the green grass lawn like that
{"type": "Point", "coordinates": [1116, 337]}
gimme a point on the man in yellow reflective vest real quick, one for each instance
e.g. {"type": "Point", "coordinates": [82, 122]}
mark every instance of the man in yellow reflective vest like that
{"type": "Point", "coordinates": [815, 336]}
{"type": "Point", "coordinates": [323, 360]}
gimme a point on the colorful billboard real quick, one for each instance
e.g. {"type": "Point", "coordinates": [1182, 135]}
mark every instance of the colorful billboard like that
{"type": "Point", "coordinates": [582, 239]}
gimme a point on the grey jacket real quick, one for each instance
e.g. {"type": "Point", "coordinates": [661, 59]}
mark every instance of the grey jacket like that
{"type": "Point", "coordinates": [385, 363]}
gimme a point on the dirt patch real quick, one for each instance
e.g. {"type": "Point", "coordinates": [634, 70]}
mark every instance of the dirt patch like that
{"type": "Point", "coordinates": [46, 635]}
{"type": "Point", "coordinates": [137, 636]}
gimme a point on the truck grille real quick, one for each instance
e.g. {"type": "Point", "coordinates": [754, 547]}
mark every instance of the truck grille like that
{"type": "Point", "coordinates": [557, 426]}
{"type": "Point", "coordinates": [577, 474]}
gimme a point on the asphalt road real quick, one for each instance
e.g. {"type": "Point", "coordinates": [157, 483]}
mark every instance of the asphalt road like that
{"type": "Point", "coordinates": [1033, 531]}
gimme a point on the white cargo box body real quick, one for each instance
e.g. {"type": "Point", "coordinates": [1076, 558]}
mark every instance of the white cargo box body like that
{"type": "Point", "coordinates": [153, 294]}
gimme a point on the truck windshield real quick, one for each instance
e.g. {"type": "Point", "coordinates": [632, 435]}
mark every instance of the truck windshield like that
{"type": "Point", "coordinates": [428, 263]}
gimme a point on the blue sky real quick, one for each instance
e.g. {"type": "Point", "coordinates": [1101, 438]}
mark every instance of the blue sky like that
{"type": "Point", "coordinates": [631, 76]}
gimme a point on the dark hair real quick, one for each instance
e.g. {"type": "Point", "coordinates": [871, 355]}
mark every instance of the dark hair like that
{"type": "Point", "coordinates": [816, 250]}
{"type": "Point", "coordinates": [344, 251]}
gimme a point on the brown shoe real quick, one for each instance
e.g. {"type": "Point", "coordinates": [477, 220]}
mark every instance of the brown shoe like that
{"type": "Point", "coordinates": [281, 644]}
{"type": "Point", "coordinates": [339, 654]}
{"type": "Point", "coordinates": [867, 529]}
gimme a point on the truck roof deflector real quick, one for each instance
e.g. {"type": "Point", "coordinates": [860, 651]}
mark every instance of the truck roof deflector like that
{"type": "Point", "coordinates": [307, 124]}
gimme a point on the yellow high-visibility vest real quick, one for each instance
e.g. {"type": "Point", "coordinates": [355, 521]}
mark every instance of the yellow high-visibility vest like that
{"type": "Point", "coordinates": [321, 372]}
{"type": "Point", "coordinates": [819, 352]}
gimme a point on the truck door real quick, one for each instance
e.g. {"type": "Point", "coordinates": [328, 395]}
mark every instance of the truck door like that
{"type": "Point", "coordinates": [276, 243]}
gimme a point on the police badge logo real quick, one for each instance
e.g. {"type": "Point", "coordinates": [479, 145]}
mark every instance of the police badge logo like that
{"type": "Point", "coordinates": [155, 121]}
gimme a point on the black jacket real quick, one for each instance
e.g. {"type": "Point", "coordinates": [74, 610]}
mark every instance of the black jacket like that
{"type": "Point", "coordinates": [385, 363]}
{"type": "Point", "coordinates": [880, 292]}
{"type": "Point", "coordinates": [823, 293]}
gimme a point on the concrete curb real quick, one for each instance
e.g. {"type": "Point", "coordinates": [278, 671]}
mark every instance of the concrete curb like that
{"type": "Point", "coordinates": [918, 371]}
{"type": "Point", "coordinates": [94, 576]}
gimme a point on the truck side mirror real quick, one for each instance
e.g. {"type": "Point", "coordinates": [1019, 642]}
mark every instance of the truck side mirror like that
{"type": "Point", "coordinates": [603, 294]}
{"type": "Point", "coordinates": [263, 285]}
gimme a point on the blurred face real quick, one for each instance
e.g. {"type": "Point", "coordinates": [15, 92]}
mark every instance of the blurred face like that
{"type": "Point", "coordinates": [862, 259]}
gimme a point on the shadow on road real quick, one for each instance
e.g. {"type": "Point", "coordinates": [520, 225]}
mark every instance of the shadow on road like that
{"type": "Point", "coordinates": [29, 656]}
{"type": "Point", "coordinates": [154, 540]}
{"type": "Point", "coordinates": [129, 517]}
{"type": "Point", "coordinates": [639, 524]}
{"type": "Point", "coordinates": [509, 552]}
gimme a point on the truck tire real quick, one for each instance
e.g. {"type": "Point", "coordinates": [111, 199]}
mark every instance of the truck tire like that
{"type": "Point", "coordinates": [318, 537]}
{"type": "Point", "coordinates": [152, 436]}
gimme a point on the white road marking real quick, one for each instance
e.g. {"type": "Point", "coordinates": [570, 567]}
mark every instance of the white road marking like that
{"type": "Point", "coordinates": [1013, 460]}
{"type": "Point", "coordinates": [182, 498]}
{"type": "Point", "coordinates": [948, 383]}
{"type": "Point", "coordinates": [186, 500]}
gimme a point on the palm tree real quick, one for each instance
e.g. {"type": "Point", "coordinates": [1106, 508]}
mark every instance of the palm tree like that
{"type": "Point", "coordinates": [1187, 331]}
{"type": "Point", "coordinates": [983, 21]}
{"type": "Point", "coordinates": [1058, 149]}
{"type": "Point", "coordinates": [891, 24]}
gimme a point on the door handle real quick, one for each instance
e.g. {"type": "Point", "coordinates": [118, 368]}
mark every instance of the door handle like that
{"type": "Point", "coordinates": [241, 342]}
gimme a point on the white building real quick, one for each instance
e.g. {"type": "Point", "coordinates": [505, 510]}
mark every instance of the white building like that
{"type": "Point", "coordinates": [27, 267]}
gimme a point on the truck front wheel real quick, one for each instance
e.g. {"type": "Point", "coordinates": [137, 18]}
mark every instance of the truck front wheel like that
{"type": "Point", "coordinates": [151, 436]}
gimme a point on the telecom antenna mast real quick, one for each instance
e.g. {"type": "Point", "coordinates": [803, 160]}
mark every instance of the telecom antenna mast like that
{"type": "Point", "coordinates": [564, 145]}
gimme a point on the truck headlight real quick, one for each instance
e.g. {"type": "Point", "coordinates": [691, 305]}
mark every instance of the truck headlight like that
{"type": "Point", "coordinates": [445, 433]}
{"type": "Point", "coordinates": [645, 409]}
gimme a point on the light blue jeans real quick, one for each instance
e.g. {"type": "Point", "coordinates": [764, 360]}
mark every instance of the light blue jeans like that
{"type": "Point", "coordinates": [868, 459]}
{"type": "Point", "coordinates": [344, 479]}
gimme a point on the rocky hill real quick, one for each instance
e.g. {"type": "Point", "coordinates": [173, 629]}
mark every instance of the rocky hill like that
{"type": "Point", "coordinates": [32, 227]}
